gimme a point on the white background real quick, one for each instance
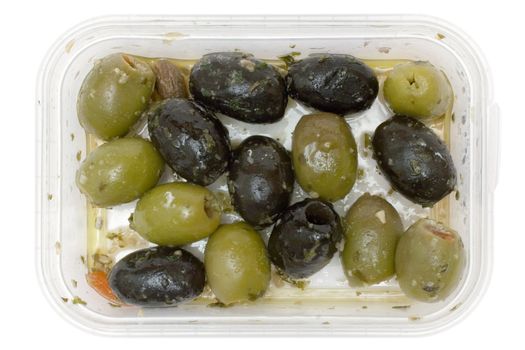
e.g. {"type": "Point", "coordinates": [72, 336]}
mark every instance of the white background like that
{"type": "Point", "coordinates": [29, 29]}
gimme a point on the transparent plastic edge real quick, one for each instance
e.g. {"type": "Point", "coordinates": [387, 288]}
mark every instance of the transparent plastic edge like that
{"type": "Point", "coordinates": [269, 329]}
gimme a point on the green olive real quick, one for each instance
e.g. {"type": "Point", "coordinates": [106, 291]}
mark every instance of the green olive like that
{"type": "Point", "coordinates": [176, 214]}
{"type": "Point", "coordinates": [236, 263]}
{"type": "Point", "coordinates": [114, 94]}
{"type": "Point", "coordinates": [430, 259]}
{"type": "Point", "coordinates": [372, 229]}
{"type": "Point", "coordinates": [417, 89]}
{"type": "Point", "coordinates": [324, 155]}
{"type": "Point", "coordinates": [119, 171]}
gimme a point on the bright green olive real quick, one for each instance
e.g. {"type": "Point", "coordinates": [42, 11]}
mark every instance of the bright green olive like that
{"type": "Point", "coordinates": [119, 171]}
{"type": "Point", "coordinates": [236, 263]}
{"type": "Point", "coordinates": [417, 89]}
{"type": "Point", "coordinates": [324, 155]}
{"type": "Point", "coordinates": [430, 259]}
{"type": "Point", "coordinates": [176, 214]}
{"type": "Point", "coordinates": [372, 229]}
{"type": "Point", "coordinates": [114, 94]}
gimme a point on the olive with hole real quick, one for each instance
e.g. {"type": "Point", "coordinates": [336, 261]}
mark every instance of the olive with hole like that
{"type": "Point", "coordinates": [324, 155]}
{"type": "Point", "coordinates": [176, 214]}
{"type": "Point", "coordinates": [417, 89]}
{"type": "Point", "coordinates": [239, 86]}
{"type": "Point", "coordinates": [305, 238]}
{"type": "Point", "coordinates": [119, 171]}
{"type": "Point", "coordinates": [334, 83]}
{"type": "Point", "coordinates": [158, 277]}
{"type": "Point", "coordinates": [414, 159]}
{"type": "Point", "coordinates": [237, 265]}
{"type": "Point", "coordinates": [192, 140]}
{"type": "Point", "coordinates": [372, 229]}
{"type": "Point", "coordinates": [114, 94]}
{"type": "Point", "coordinates": [260, 180]}
{"type": "Point", "coordinates": [430, 260]}
{"type": "Point", "coordinates": [169, 82]}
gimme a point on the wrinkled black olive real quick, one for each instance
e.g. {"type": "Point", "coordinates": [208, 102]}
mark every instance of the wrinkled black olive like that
{"type": "Point", "coordinates": [192, 140]}
{"type": "Point", "coordinates": [305, 238]}
{"type": "Point", "coordinates": [260, 180]}
{"type": "Point", "coordinates": [414, 159]}
{"type": "Point", "coordinates": [335, 83]}
{"type": "Point", "coordinates": [157, 277]}
{"type": "Point", "coordinates": [240, 86]}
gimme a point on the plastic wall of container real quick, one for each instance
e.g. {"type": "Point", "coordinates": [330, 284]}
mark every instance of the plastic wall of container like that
{"type": "Point", "coordinates": [61, 211]}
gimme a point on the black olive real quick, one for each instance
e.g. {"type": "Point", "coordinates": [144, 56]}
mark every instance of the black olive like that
{"type": "Point", "coordinates": [305, 238]}
{"type": "Point", "coordinates": [240, 86]}
{"type": "Point", "coordinates": [335, 83]}
{"type": "Point", "coordinates": [414, 159]}
{"type": "Point", "coordinates": [260, 180]}
{"type": "Point", "coordinates": [191, 139]}
{"type": "Point", "coordinates": [157, 277]}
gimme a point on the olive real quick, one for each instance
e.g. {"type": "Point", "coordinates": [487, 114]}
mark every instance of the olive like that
{"type": "Point", "coordinates": [114, 94]}
{"type": "Point", "coordinates": [157, 277]}
{"type": "Point", "coordinates": [260, 180]}
{"type": "Point", "coordinates": [305, 238]}
{"type": "Point", "coordinates": [324, 155]}
{"type": "Point", "coordinates": [333, 83]}
{"type": "Point", "coordinates": [169, 82]}
{"type": "Point", "coordinates": [236, 262]}
{"type": "Point", "coordinates": [119, 171]}
{"type": "Point", "coordinates": [191, 139]}
{"type": "Point", "coordinates": [176, 213]}
{"type": "Point", "coordinates": [430, 259]}
{"type": "Point", "coordinates": [417, 89]}
{"type": "Point", "coordinates": [240, 86]}
{"type": "Point", "coordinates": [414, 159]}
{"type": "Point", "coordinates": [372, 229]}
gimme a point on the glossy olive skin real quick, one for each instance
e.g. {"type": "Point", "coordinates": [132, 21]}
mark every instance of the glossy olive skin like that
{"type": "Point", "coordinates": [119, 171]}
{"type": "Point", "coordinates": [305, 238]}
{"type": "Point", "coordinates": [414, 159]}
{"type": "Point", "coordinates": [324, 155]}
{"type": "Point", "coordinates": [260, 180]}
{"type": "Point", "coordinates": [240, 86]}
{"type": "Point", "coordinates": [334, 83]}
{"type": "Point", "coordinates": [430, 259]}
{"type": "Point", "coordinates": [114, 94]}
{"type": "Point", "coordinates": [237, 265]}
{"type": "Point", "coordinates": [192, 140]}
{"type": "Point", "coordinates": [176, 214]}
{"type": "Point", "coordinates": [157, 277]}
{"type": "Point", "coordinates": [372, 229]}
{"type": "Point", "coordinates": [417, 89]}
{"type": "Point", "coordinates": [169, 81]}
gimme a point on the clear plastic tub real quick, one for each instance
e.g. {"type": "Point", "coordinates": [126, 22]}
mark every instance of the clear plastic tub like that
{"type": "Point", "coordinates": [70, 232]}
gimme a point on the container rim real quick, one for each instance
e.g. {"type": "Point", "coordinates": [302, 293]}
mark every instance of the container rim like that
{"type": "Point", "coordinates": [488, 180]}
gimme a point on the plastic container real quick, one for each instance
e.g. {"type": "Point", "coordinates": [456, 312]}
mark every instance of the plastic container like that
{"type": "Point", "coordinates": [328, 305]}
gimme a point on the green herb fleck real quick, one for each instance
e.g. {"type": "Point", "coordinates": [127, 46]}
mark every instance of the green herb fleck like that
{"type": "Point", "coordinates": [457, 195]}
{"type": "Point", "coordinates": [364, 307]}
{"type": "Point", "coordinates": [74, 283]}
{"type": "Point", "coordinates": [289, 58]}
{"type": "Point", "coordinates": [65, 300]}
{"type": "Point", "coordinates": [49, 196]}
{"type": "Point", "coordinates": [79, 155]}
{"type": "Point", "coordinates": [414, 318]}
{"type": "Point", "coordinates": [440, 36]}
{"type": "Point", "coordinates": [400, 307]}
{"type": "Point", "coordinates": [292, 46]}
{"type": "Point", "coordinates": [72, 136]}
{"type": "Point", "coordinates": [78, 301]}
{"type": "Point", "coordinates": [83, 259]}
{"type": "Point", "coordinates": [453, 117]}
